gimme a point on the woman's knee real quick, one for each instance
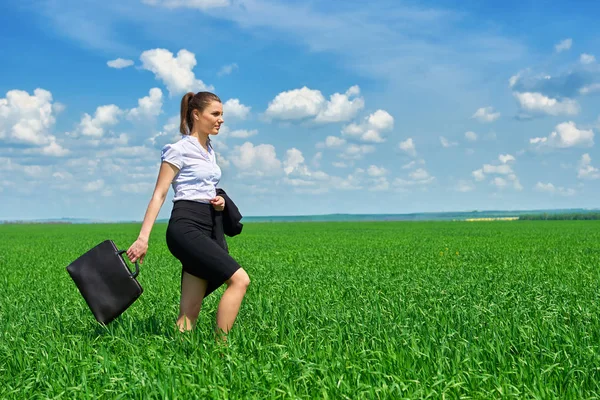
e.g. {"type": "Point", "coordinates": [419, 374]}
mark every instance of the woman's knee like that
{"type": "Point", "coordinates": [239, 279]}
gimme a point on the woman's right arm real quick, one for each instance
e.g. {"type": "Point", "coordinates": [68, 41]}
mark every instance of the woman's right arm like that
{"type": "Point", "coordinates": [166, 174]}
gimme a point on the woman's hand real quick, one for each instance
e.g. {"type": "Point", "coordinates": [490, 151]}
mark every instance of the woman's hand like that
{"type": "Point", "coordinates": [138, 250]}
{"type": "Point", "coordinates": [218, 203]}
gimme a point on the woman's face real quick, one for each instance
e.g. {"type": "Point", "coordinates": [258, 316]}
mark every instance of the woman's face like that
{"type": "Point", "coordinates": [209, 121]}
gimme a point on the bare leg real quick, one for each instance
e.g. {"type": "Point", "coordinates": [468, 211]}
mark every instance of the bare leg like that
{"type": "Point", "coordinates": [231, 301]}
{"type": "Point", "coordinates": [192, 293]}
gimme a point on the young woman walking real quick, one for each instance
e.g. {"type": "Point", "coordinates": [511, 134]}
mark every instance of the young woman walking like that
{"type": "Point", "coordinates": [189, 165]}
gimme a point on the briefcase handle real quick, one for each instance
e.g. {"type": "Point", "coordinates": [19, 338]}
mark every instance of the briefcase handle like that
{"type": "Point", "coordinates": [137, 267]}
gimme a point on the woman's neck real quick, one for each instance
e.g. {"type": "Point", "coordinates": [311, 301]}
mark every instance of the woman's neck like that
{"type": "Point", "coordinates": [202, 139]}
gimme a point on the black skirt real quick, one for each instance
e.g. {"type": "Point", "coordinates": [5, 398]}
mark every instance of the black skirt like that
{"type": "Point", "coordinates": [195, 237]}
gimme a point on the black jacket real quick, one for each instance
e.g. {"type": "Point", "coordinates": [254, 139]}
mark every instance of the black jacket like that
{"type": "Point", "coordinates": [231, 216]}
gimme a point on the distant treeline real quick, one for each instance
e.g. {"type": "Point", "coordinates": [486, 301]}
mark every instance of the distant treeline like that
{"type": "Point", "coordinates": [561, 216]}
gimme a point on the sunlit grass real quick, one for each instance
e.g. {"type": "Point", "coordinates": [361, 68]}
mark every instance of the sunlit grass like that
{"type": "Point", "coordinates": [334, 310]}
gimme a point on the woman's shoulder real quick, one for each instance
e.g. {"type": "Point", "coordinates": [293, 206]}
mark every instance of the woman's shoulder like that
{"type": "Point", "coordinates": [177, 146]}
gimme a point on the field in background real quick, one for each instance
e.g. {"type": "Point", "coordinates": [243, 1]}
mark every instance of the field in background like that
{"type": "Point", "coordinates": [335, 310]}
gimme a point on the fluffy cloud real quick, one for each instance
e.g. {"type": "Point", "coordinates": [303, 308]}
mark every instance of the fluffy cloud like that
{"type": "Point", "coordinates": [243, 133]}
{"type": "Point", "coordinates": [537, 103]}
{"type": "Point", "coordinates": [305, 103]}
{"type": "Point", "coordinates": [120, 63]}
{"type": "Point", "coordinates": [149, 106]}
{"type": "Point", "coordinates": [169, 134]}
{"type": "Point", "coordinates": [175, 72]}
{"type": "Point", "coordinates": [104, 117]}
{"type": "Point", "coordinates": [566, 135]}
{"type": "Point", "coordinates": [376, 171]}
{"type": "Point", "coordinates": [341, 107]}
{"type": "Point", "coordinates": [260, 160]}
{"type": "Point", "coordinates": [563, 45]}
{"type": "Point", "coordinates": [471, 136]}
{"type": "Point", "coordinates": [486, 114]}
{"type": "Point", "coordinates": [591, 88]}
{"type": "Point", "coordinates": [198, 4]}
{"type": "Point", "coordinates": [446, 143]}
{"type": "Point", "coordinates": [587, 59]}
{"type": "Point", "coordinates": [94, 186]}
{"type": "Point", "coordinates": [356, 152]}
{"type": "Point", "coordinates": [506, 158]}
{"type": "Point", "coordinates": [234, 109]}
{"type": "Point", "coordinates": [586, 170]}
{"type": "Point", "coordinates": [369, 130]}
{"type": "Point", "coordinates": [408, 146]}
{"type": "Point", "coordinates": [26, 118]}
{"type": "Point", "coordinates": [550, 188]}
{"type": "Point", "coordinates": [507, 177]}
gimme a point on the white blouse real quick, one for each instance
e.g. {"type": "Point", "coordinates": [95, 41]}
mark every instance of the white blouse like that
{"type": "Point", "coordinates": [198, 174]}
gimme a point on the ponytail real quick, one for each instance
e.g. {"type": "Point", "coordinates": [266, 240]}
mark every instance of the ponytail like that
{"type": "Point", "coordinates": [185, 126]}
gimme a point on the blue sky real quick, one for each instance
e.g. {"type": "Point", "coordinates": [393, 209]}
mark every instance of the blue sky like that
{"type": "Point", "coordinates": [330, 107]}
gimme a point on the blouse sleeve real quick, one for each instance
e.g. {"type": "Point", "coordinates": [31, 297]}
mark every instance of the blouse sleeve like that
{"type": "Point", "coordinates": [171, 155]}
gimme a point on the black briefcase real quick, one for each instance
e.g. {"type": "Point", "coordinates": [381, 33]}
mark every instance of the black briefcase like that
{"type": "Point", "coordinates": [105, 281]}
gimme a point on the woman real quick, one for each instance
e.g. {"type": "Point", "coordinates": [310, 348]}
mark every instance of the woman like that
{"type": "Point", "coordinates": [190, 166]}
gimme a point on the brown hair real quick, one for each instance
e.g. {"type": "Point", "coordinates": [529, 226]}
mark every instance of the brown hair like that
{"type": "Point", "coordinates": [191, 102]}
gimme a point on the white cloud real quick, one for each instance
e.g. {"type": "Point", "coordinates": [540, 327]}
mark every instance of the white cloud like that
{"type": "Point", "coordinates": [26, 118]}
{"type": "Point", "coordinates": [243, 133]}
{"type": "Point", "coordinates": [471, 136]}
{"type": "Point", "coordinates": [419, 174]}
{"type": "Point", "coordinates": [55, 150]}
{"type": "Point", "coordinates": [563, 45]}
{"type": "Point", "coordinates": [198, 4]}
{"type": "Point", "coordinates": [94, 186]}
{"type": "Point", "coordinates": [478, 175]}
{"type": "Point", "coordinates": [356, 152]}
{"type": "Point", "coordinates": [587, 59]}
{"type": "Point", "coordinates": [175, 72]}
{"type": "Point", "coordinates": [341, 107]}
{"type": "Point", "coordinates": [227, 69]}
{"type": "Point", "coordinates": [538, 103]}
{"type": "Point", "coordinates": [369, 130]}
{"type": "Point", "coordinates": [592, 88]}
{"type": "Point", "coordinates": [506, 158]}
{"type": "Point", "coordinates": [486, 114]}
{"type": "Point", "coordinates": [381, 120]}
{"type": "Point", "coordinates": [149, 106]}
{"type": "Point", "coordinates": [586, 170]}
{"type": "Point", "coordinates": [499, 182]}
{"type": "Point", "coordinates": [234, 109]}
{"type": "Point", "coordinates": [169, 134]}
{"type": "Point", "coordinates": [550, 188]}
{"type": "Point", "coordinates": [331, 142]}
{"type": "Point", "coordinates": [505, 170]}
{"type": "Point", "coordinates": [304, 103]}
{"type": "Point", "coordinates": [295, 104]}
{"type": "Point", "coordinates": [446, 143]}
{"type": "Point", "coordinates": [120, 63]}
{"type": "Point", "coordinates": [376, 171]}
{"type": "Point", "coordinates": [260, 160]}
{"type": "Point", "coordinates": [104, 117]}
{"type": "Point", "coordinates": [566, 135]}
{"type": "Point", "coordinates": [292, 160]}
{"type": "Point", "coordinates": [408, 146]}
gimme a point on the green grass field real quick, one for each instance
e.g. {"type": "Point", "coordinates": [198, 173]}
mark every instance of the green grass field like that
{"type": "Point", "coordinates": [334, 310]}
